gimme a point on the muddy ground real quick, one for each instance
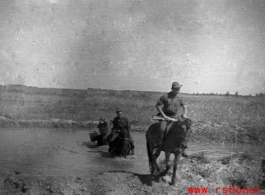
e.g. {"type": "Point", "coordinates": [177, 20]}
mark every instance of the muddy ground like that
{"type": "Point", "coordinates": [64, 162]}
{"type": "Point", "coordinates": [195, 171]}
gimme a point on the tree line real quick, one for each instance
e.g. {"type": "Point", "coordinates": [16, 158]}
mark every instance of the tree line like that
{"type": "Point", "coordinates": [231, 94]}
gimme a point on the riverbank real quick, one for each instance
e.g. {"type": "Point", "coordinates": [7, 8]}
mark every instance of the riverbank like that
{"type": "Point", "coordinates": [196, 172]}
{"type": "Point", "coordinates": [201, 131]}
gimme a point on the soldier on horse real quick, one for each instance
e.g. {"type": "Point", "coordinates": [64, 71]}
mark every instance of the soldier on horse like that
{"type": "Point", "coordinates": [120, 124]}
{"type": "Point", "coordinates": [171, 134]}
{"type": "Point", "coordinates": [171, 107]}
{"type": "Point", "coordinates": [104, 132]}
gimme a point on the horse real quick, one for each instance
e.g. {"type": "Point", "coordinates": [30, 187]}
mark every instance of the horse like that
{"type": "Point", "coordinates": [175, 141]}
{"type": "Point", "coordinates": [119, 143]}
{"type": "Point", "coordinates": [97, 137]}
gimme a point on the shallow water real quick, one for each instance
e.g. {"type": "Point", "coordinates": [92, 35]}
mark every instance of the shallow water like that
{"type": "Point", "coordinates": [67, 152]}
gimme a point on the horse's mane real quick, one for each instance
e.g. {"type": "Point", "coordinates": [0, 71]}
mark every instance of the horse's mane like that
{"type": "Point", "coordinates": [187, 122]}
{"type": "Point", "coordinates": [177, 125]}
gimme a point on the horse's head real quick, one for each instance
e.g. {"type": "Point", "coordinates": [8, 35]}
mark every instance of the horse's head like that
{"type": "Point", "coordinates": [93, 136]}
{"type": "Point", "coordinates": [184, 131]}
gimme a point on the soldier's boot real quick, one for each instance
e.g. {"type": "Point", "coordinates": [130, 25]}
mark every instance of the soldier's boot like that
{"type": "Point", "coordinates": [132, 145]}
{"type": "Point", "coordinates": [157, 146]}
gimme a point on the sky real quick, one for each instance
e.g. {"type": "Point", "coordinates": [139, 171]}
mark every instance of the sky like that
{"type": "Point", "coordinates": [209, 46]}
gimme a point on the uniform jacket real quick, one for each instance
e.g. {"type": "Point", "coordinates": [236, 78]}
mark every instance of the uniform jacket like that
{"type": "Point", "coordinates": [121, 122]}
{"type": "Point", "coordinates": [172, 106]}
{"type": "Point", "coordinates": [103, 128]}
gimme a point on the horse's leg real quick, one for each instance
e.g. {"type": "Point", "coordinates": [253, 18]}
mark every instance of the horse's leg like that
{"type": "Point", "coordinates": [167, 155]}
{"type": "Point", "coordinates": [177, 157]}
{"type": "Point", "coordinates": [99, 140]}
{"type": "Point", "coordinates": [152, 159]}
{"type": "Point", "coordinates": [104, 140]}
{"type": "Point", "coordinates": [124, 148]}
{"type": "Point", "coordinates": [155, 156]}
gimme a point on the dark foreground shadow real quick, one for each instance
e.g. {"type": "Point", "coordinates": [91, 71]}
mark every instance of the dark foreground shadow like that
{"type": "Point", "coordinates": [146, 179]}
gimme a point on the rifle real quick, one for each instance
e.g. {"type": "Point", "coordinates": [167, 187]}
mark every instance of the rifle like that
{"type": "Point", "coordinates": [160, 118]}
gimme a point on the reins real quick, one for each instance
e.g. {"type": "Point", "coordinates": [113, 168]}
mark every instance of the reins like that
{"type": "Point", "coordinates": [124, 138]}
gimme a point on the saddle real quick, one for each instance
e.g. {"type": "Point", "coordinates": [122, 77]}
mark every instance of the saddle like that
{"type": "Point", "coordinates": [169, 124]}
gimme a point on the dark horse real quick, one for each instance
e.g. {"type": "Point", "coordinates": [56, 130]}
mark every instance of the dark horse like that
{"type": "Point", "coordinates": [174, 142]}
{"type": "Point", "coordinates": [97, 137]}
{"type": "Point", "coordinates": [119, 143]}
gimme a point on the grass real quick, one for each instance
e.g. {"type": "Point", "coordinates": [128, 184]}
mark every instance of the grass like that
{"type": "Point", "coordinates": [215, 118]}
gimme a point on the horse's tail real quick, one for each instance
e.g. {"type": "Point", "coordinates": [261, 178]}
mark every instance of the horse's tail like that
{"type": "Point", "coordinates": [149, 153]}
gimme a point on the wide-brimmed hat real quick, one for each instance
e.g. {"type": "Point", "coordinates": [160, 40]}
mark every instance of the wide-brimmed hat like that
{"type": "Point", "coordinates": [118, 110]}
{"type": "Point", "coordinates": [176, 85]}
